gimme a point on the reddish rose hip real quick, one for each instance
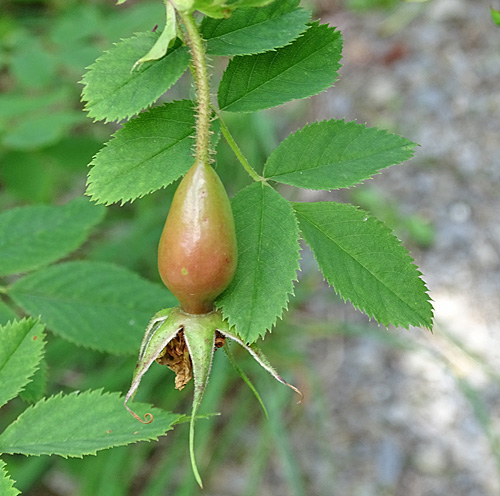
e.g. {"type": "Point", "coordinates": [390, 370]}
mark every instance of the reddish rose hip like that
{"type": "Point", "coordinates": [197, 252]}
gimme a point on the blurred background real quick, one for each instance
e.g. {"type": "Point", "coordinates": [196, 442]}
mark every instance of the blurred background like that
{"type": "Point", "coordinates": [387, 412]}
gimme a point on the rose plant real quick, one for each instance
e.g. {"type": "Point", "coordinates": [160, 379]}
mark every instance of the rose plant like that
{"type": "Point", "coordinates": [231, 264]}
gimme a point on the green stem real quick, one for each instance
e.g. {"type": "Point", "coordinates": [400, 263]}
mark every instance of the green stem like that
{"type": "Point", "coordinates": [239, 154]}
{"type": "Point", "coordinates": [195, 43]}
{"type": "Point", "coordinates": [3, 289]}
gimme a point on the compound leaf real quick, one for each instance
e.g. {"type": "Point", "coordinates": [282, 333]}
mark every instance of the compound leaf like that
{"type": "Point", "coordinates": [21, 350]}
{"type": "Point", "coordinates": [6, 483]}
{"type": "Point", "coordinates": [268, 254]}
{"type": "Point", "coordinates": [257, 30]}
{"type": "Point", "coordinates": [304, 68]}
{"type": "Point", "coordinates": [335, 154]}
{"type": "Point", "coordinates": [147, 154]}
{"type": "Point", "coordinates": [92, 304]}
{"type": "Point", "coordinates": [113, 91]}
{"type": "Point", "coordinates": [81, 424]}
{"type": "Point", "coordinates": [365, 263]}
{"type": "Point", "coordinates": [38, 235]}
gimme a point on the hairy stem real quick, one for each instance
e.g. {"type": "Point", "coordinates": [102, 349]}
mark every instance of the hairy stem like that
{"type": "Point", "coordinates": [195, 43]}
{"type": "Point", "coordinates": [239, 154]}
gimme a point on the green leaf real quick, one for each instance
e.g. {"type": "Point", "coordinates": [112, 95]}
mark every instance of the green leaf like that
{"type": "Point", "coordinates": [91, 304]}
{"type": "Point", "coordinates": [160, 48]}
{"type": "Point", "coordinates": [335, 154]}
{"type": "Point", "coordinates": [113, 91]}
{"type": "Point", "coordinates": [36, 389]}
{"type": "Point", "coordinates": [495, 15]}
{"type": "Point", "coordinates": [39, 235]}
{"type": "Point", "coordinates": [218, 8]}
{"type": "Point", "coordinates": [365, 263]}
{"type": "Point", "coordinates": [36, 131]}
{"type": "Point", "coordinates": [21, 349]}
{"type": "Point", "coordinates": [6, 313]}
{"type": "Point", "coordinates": [306, 67]}
{"type": "Point", "coordinates": [255, 30]}
{"type": "Point", "coordinates": [268, 254]}
{"type": "Point", "coordinates": [32, 64]}
{"type": "Point", "coordinates": [149, 153]}
{"type": "Point", "coordinates": [6, 483]}
{"type": "Point", "coordinates": [81, 424]}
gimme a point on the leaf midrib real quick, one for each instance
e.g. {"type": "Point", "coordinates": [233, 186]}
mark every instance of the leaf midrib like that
{"type": "Point", "coordinates": [340, 162]}
{"type": "Point", "coordinates": [423, 319]}
{"type": "Point", "coordinates": [283, 72]}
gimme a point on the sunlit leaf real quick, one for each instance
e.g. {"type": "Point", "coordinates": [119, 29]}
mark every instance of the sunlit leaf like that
{"type": "Point", "coordinates": [268, 254]}
{"type": "Point", "coordinates": [335, 154]}
{"type": "Point", "coordinates": [304, 68]}
{"type": "Point", "coordinates": [365, 263]}
{"type": "Point", "coordinates": [21, 349]}
{"type": "Point", "coordinates": [81, 424]}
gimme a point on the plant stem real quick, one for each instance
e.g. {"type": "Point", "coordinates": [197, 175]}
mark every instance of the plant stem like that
{"type": "Point", "coordinates": [239, 154]}
{"type": "Point", "coordinates": [195, 43]}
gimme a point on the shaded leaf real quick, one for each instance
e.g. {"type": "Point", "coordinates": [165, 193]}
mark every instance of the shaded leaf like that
{"type": "Point", "coordinates": [113, 91]}
{"type": "Point", "coordinates": [6, 313]}
{"type": "Point", "coordinates": [148, 153]}
{"type": "Point", "coordinates": [335, 154]}
{"type": "Point", "coordinates": [36, 389]}
{"type": "Point", "coordinates": [365, 263]}
{"type": "Point", "coordinates": [81, 424]}
{"type": "Point", "coordinates": [255, 30]}
{"type": "Point", "coordinates": [21, 349]}
{"type": "Point", "coordinates": [268, 254]}
{"type": "Point", "coordinates": [304, 68]}
{"type": "Point", "coordinates": [91, 304]}
{"type": "Point", "coordinates": [38, 235]}
{"type": "Point", "coordinates": [6, 483]}
{"type": "Point", "coordinates": [36, 131]}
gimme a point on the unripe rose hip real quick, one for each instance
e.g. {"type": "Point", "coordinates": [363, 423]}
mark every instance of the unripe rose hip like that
{"type": "Point", "coordinates": [197, 253]}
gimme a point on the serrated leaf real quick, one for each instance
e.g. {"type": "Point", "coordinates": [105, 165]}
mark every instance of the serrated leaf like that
{"type": "Point", "coordinates": [21, 349]}
{"type": "Point", "coordinates": [268, 254]}
{"type": "Point", "coordinates": [335, 154]}
{"type": "Point", "coordinates": [81, 424]}
{"type": "Point", "coordinates": [256, 30]}
{"type": "Point", "coordinates": [365, 263]}
{"type": "Point", "coordinates": [6, 483]}
{"type": "Point", "coordinates": [113, 91]}
{"type": "Point", "coordinates": [95, 305]}
{"type": "Point", "coordinates": [38, 235]}
{"type": "Point", "coordinates": [304, 68]}
{"type": "Point", "coordinates": [148, 153]}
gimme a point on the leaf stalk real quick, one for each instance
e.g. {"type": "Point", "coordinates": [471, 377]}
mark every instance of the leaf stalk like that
{"type": "Point", "coordinates": [239, 154]}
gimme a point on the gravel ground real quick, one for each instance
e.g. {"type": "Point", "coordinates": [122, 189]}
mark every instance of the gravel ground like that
{"type": "Point", "coordinates": [419, 416]}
